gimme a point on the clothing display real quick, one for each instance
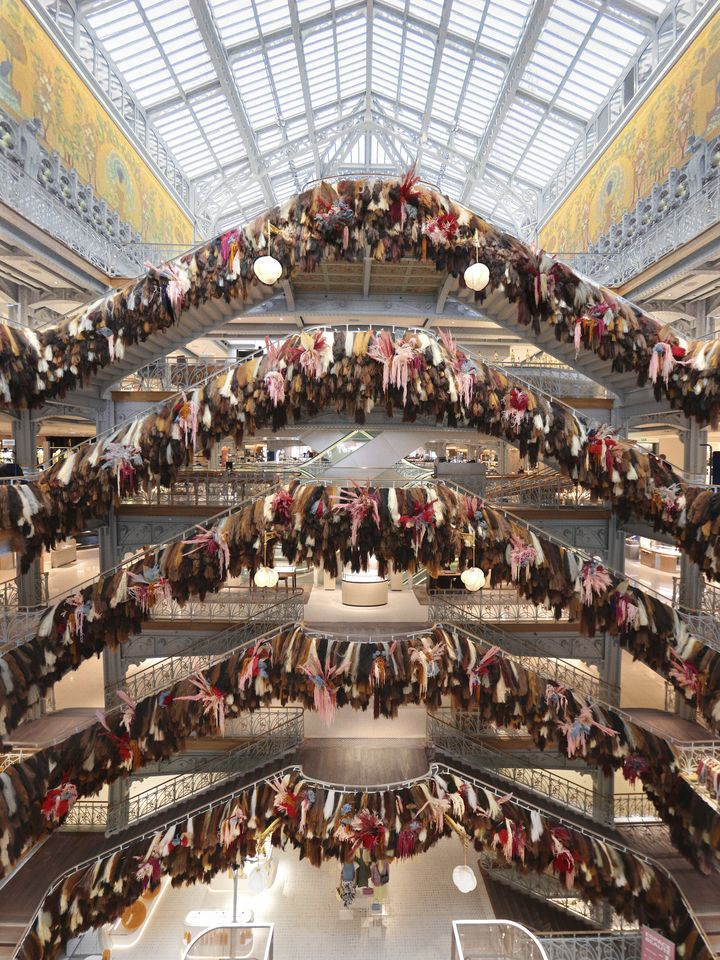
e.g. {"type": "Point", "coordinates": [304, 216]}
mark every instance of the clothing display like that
{"type": "Point", "coordinates": [300, 667]}
{"type": "Point", "coordinates": [352, 372]}
{"type": "Point", "coordinates": [325, 823]}
{"type": "Point", "coordinates": [406, 529]}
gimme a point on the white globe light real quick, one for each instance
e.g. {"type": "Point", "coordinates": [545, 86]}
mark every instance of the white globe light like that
{"type": "Point", "coordinates": [265, 577]}
{"type": "Point", "coordinates": [268, 270]}
{"type": "Point", "coordinates": [477, 276]}
{"type": "Point", "coordinates": [473, 578]}
{"type": "Point", "coordinates": [257, 880]}
{"type": "Point", "coordinates": [464, 878]}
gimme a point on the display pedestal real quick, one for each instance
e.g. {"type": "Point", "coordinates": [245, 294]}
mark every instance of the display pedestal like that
{"type": "Point", "coordinates": [63, 554]}
{"type": "Point", "coordinates": [359, 591]}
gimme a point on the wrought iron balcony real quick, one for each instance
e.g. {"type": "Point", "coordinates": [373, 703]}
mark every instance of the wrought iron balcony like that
{"type": "Point", "coordinates": [633, 246]}
{"type": "Point", "coordinates": [52, 197]}
{"type": "Point", "coordinates": [267, 734]}
{"type": "Point", "coordinates": [604, 945]}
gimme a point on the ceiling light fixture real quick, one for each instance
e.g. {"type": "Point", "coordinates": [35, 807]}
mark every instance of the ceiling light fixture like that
{"type": "Point", "coordinates": [267, 269]}
{"type": "Point", "coordinates": [477, 275]}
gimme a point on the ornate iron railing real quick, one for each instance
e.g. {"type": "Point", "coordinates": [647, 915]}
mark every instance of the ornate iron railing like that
{"type": "Point", "coordinates": [451, 609]}
{"type": "Point", "coordinates": [541, 887]}
{"type": "Point", "coordinates": [10, 589]}
{"type": "Point", "coordinates": [453, 738]}
{"type": "Point", "coordinates": [603, 945]}
{"type": "Point", "coordinates": [83, 222]}
{"type": "Point", "coordinates": [202, 654]}
{"type": "Point", "coordinates": [12, 756]}
{"type": "Point", "coordinates": [175, 373]}
{"type": "Point", "coordinates": [87, 815]}
{"type": "Point", "coordinates": [456, 606]}
{"type": "Point", "coordinates": [676, 227]}
{"type": "Point", "coordinates": [635, 808]}
{"type": "Point", "coordinates": [270, 734]}
{"type": "Point", "coordinates": [549, 489]}
{"type": "Point", "coordinates": [556, 379]}
{"type": "Point", "coordinates": [230, 604]}
{"type": "Point", "coordinates": [214, 488]}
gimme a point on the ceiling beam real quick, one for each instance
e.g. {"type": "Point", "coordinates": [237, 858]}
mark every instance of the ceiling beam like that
{"type": "Point", "coordinates": [579, 50]}
{"type": "Point", "coordinates": [304, 82]}
{"type": "Point", "coordinates": [536, 19]}
{"type": "Point", "coordinates": [211, 38]}
{"type": "Point", "coordinates": [432, 83]}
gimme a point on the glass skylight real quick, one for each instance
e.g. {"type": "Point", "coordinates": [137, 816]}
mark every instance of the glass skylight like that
{"type": "Point", "coordinates": [265, 96]}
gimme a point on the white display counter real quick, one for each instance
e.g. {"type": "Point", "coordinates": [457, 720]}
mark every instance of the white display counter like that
{"type": "Point", "coordinates": [363, 590]}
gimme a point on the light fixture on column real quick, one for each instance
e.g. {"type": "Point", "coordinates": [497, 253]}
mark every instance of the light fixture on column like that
{"type": "Point", "coordinates": [265, 576]}
{"type": "Point", "coordinates": [477, 275]}
{"type": "Point", "coordinates": [267, 269]}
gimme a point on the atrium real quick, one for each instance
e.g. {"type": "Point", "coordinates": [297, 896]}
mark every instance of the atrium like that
{"type": "Point", "coordinates": [360, 479]}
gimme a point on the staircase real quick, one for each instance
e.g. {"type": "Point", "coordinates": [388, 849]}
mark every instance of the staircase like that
{"type": "Point", "coordinates": [624, 385]}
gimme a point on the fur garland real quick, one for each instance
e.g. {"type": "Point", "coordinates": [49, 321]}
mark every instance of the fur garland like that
{"type": "Point", "coordinates": [444, 662]}
{"type": "Point", "coordinates": [314, 371]}
{"type": "Point", "coordinates": [338, 222]}
{"type": "Point", "coordinates": [324, 823]}
{"type": "Point", "coordinates": [430, 531]}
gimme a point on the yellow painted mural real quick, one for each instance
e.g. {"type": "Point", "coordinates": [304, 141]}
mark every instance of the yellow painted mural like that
{"type": "Point", "coordinates": [686, 102]}
{"type": "Point", "coordinates": [40, 82]}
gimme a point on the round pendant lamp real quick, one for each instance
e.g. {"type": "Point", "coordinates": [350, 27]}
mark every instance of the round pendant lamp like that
{"type": "Point", "coordinates": [268, 270]}
{"type": "Point", "coordinates": [265, 577]}
{"type": "Point", "coordinates": [477, 276]}
{"type": "Point", "coordinates": [473, 579]}
{"type": "Point", "coordinates": [464, 878]}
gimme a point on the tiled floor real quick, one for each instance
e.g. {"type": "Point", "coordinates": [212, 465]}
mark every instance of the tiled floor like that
{"type": "Point", "coordinates": [310, 922]}
{"type": "Point", "coordinates": [326, 606]}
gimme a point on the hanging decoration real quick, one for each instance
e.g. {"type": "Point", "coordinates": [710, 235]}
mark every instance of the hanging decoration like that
{"type": "Point", "coordinates": [429, 526]}
{"type": "Point", "coordinates": [323, 674]}
{"type": "Point", "coordinates": [222, 835]}
{"type": "Point", "coordinates": [317, 370]}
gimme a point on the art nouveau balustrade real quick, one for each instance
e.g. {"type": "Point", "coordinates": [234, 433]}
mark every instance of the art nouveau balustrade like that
{"type": "Point", "coordinates": [503, 940]}
{"type": "Point", "coordinates": [605, 945]}
{"type": "Point", "coordinates": [465, 737]}
{"type": "Point", "coordinates": [9, 592]}
{"type": "Point", "coordinates": [264, 735]}
{"type": "Point", "coordinates": [203, 654]}
{"type": "Point", "coordinates": [629, 250]}
{"type": "Point", "coordinates": [482, 614]}
{"type": "Point", "coordinates": [185, 373]}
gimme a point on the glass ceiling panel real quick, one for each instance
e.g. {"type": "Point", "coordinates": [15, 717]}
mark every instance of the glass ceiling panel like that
{"type": "Point", "coordinates": [299, 68]}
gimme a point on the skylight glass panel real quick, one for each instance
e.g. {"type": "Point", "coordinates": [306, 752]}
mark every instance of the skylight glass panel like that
{"type": "Point", "coordinates": [386, 52]}
{"type": "Point", "coordinates": [350, 39]}
{"type": "Point", "coordinates": [319, 50]}
{"type": "Point", "coordinates": [235, 20]}
{"type": "Point", "coordinates": [503, 24]}
{"type": "Point", "coordinates": [466, 17]}
{"type": "Point", "coordinates": [427, 10]}
{"type": "Point", "coordinates": [483, 88]}
{"type": "Point", "coordinates": [416, 70]}
{"type": "Point", "coordinates": [272, 15]}
{"type": "Point", "coordinates": [285, 74]}
{"type": "Point", "coordinates": [450, 80]}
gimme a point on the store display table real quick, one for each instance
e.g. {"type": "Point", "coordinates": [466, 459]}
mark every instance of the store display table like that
{"type": "Point", "coordinates": [358, 590]}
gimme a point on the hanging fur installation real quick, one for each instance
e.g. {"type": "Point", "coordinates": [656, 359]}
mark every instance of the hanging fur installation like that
{"type": "Point", "coordinates": [422, 526]}
{"type": "Point", "coordinates": [398, 822]}
{"type": "Point", "coordinates": [323, 674]}
{"type": "Point", "coordinates": [316, 370]}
